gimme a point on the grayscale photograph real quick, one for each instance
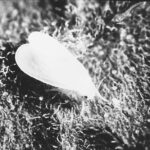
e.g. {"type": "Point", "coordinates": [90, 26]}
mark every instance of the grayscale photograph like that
{"type": "Point", "coordinates": [74, 75]}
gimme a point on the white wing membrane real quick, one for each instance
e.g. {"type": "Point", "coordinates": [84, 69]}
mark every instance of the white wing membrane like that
{"type": "Point", "coordinates": [45, 59]}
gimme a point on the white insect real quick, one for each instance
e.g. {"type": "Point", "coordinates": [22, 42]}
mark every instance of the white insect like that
{"type": "Point", "coordinates": [46, 60]}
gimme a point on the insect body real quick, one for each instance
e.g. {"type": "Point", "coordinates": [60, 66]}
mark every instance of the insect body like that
{"type": "Point", "coordinates": [46, 60]}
